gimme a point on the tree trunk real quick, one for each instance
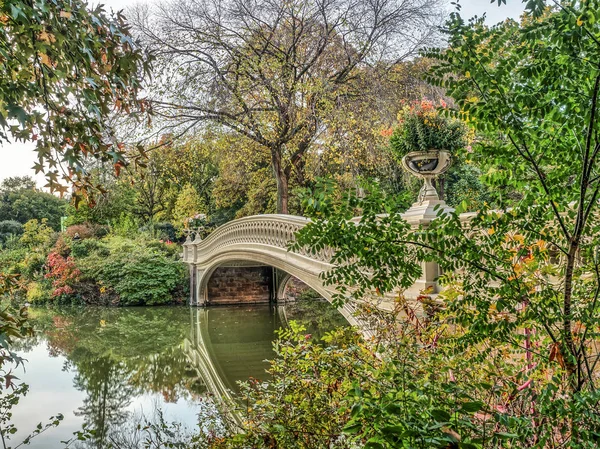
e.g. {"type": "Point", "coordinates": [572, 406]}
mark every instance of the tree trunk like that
{"type": "Point", "coordinates": [282, 182]}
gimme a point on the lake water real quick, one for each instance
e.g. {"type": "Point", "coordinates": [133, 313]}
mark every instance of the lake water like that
{"type": "Point", "coordinates": [106, 369]}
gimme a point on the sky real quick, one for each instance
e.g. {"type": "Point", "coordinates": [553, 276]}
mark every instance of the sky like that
{"type": "Point", "coordinates": [16, 159]}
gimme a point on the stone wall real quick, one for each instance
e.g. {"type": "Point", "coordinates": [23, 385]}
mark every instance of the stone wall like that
{"type": "Point", "coordinates": [239, 285]}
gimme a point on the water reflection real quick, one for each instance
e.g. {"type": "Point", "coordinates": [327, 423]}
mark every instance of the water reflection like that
{"type": "Point", "coordinates": [102, 367]}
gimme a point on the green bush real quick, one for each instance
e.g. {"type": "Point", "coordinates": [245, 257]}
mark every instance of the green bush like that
{"type": "Point", "coordinates": [11, 260]}
{"type": "Point", "coordinates": [165, 231]}
{"type": "Point", "coordinates": [9, 228]}
{"type": "Point", "coordinates": [33, 264]}
{"type": "Point", "coordinates": [140, 272]}
{"type": "Point", "coordinates": [113, 270]}
{"type": "Point", "coordinates": [142, 278]}
{"type": "Point", "coordinates": [84, 248]}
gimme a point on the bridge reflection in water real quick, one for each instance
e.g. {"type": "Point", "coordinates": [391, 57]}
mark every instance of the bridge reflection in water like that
{"type": "Point", "coordinates": [225, 348]}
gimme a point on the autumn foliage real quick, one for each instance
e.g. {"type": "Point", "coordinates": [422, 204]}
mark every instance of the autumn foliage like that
{"type": "Point", "coordinates": [63, 272]}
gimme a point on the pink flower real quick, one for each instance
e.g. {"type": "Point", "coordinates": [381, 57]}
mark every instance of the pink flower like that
{"type": "Point", "coordinates": [501, 409]}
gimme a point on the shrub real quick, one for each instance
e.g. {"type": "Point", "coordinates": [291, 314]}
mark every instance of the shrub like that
{"type": "Point", "coordinates": [165, 231]}
{"type": "Point", "coordinates": [84, 248]}
{"type": "Point", "coordinates": [10, 228]}
{"type": "Point", "coordinates": [63, 272]}
{"type": "Point", "coordinates": [38, 292]}
{"type": "Point", "coordinates": [86, 231]}
{"type": "Point", "coordinates": [142, 278]}
{"type": "Point", "coordinates": [130, 272]}
{"type": "Point", "coordinates": [37, 235]}
{"type": "Point", "coordinates": [167, 248]}
{"type": "Point", "coordinates": [33, 264]}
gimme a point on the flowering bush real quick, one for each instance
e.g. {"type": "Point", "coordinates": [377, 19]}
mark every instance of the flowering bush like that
{"type": "Point", "coordinates": [421, 127]}
{"type": "Point", "coordinates": [63, 272]}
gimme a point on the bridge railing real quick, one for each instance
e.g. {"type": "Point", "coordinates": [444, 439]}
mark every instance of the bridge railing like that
{"type": "Point", "coordinates": [270, 230]}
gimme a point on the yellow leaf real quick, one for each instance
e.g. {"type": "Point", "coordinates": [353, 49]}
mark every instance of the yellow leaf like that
{"type": "Point", "coordinates": [47, 37]}
{"type": "Point", "coordinates": [579, 21]}
{"type": "Point", "coordinates": [65, 14]}
{"type": "Point", "coordinates": [467, 74]}
{"type": "Point", "coordinates": [45, 59]}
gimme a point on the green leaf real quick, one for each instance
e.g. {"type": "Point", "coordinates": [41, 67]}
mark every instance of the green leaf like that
{"type": "Point", "coordinates": [471, 407]}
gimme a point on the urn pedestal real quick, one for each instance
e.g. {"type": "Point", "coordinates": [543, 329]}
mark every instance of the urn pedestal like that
{"type": "Point", "coordinates": [426, 165]}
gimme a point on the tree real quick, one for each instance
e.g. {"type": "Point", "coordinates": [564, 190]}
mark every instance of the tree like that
{"type": "Point", "coordinates": [187, 205]}
{"type": "Point", "coordinates": [525, 280]}
{"type": "Point", "coordinates": [65, 70]}
{"type": "Point", "coordinates": [192, 162]}
{"type": "Point", "coordinates": [21, 201]}
{"type": "Point", "coordinates": [245, 185]}
{"type": "Point", "coordinates": [272, 71]}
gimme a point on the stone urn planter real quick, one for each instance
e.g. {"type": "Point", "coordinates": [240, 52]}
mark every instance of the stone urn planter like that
{"type": "Point", "coordinates": [427, 165]}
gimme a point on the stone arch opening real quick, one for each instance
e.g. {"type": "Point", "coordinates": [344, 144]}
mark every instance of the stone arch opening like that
{"type": "Point", "coordinates": [240, 283]}
{"type": "Point", "coordinates": [203, 274]}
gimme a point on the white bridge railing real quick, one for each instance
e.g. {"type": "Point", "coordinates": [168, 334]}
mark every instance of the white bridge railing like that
{"type": "Point", "coordinates": [275, 231]}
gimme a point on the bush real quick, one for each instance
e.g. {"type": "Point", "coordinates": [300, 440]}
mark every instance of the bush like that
{"type": "Point", "coordinates": [84, 248]}
{"type": "Point", "coordinates": [165, 231]}
{"type": "Point", "coordinates": [86, 231]}
{"type": "Point", "coordinates": [38, 292]}
{"type": "Point", "coordinates": [167, 248]}
{"type": "Point", "coordinates": [10, 228]}
{"type": "Point", "coordinates": [11, 260]}
{"type": "Point", "coordinates": [63, 272]}
{"type": "Point", "coordinates": [132, 272]}
{"type": "Point", "coordinates": [33, 264]}
{"type": "Point", "coordinates": [142, 278]}
{"type": "Point", "coordinates": [37, 235]}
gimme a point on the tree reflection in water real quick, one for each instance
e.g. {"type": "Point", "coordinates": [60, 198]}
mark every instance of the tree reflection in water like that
{"type": "Point", "coordinates": [128, 359]}
{"type": "Point", "coordinates": [109, 393]}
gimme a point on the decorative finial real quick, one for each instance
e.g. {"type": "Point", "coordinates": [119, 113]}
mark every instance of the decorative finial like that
{"type": "Point", "coordinates": [198, 238]}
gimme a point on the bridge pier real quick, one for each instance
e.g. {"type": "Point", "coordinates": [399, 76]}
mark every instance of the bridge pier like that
{"type": "Point", "coordinates": [421, 214]}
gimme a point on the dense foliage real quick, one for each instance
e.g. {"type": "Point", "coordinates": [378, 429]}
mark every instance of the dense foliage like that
{"type": "Point", "coordinates": [275, 73]}
{"type": "Point", "coordinates": [81, 266]}
{"type": "Point", "coordinates": [522, 282]}
{"type": "Point", "coordinates": [506, 356]}
{"type": "Point", "coordinates": [21, 201]}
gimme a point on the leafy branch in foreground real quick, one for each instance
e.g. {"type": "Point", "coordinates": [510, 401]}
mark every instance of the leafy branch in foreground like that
{"type": "Point", "coordinates": [66, 70]}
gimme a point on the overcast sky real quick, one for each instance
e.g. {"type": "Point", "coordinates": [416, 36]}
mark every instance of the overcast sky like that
{"type": "Point", "coordinates": [16, 159]}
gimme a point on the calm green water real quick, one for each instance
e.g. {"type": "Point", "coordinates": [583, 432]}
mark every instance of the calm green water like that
{"type": "Point", "coordinates": [104, 368]}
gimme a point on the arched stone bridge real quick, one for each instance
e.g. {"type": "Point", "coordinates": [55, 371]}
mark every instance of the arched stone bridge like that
{"type": "Point", "coordinates": [248, 260]}
{"type": "Point", "coordinates": [254, 250]}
